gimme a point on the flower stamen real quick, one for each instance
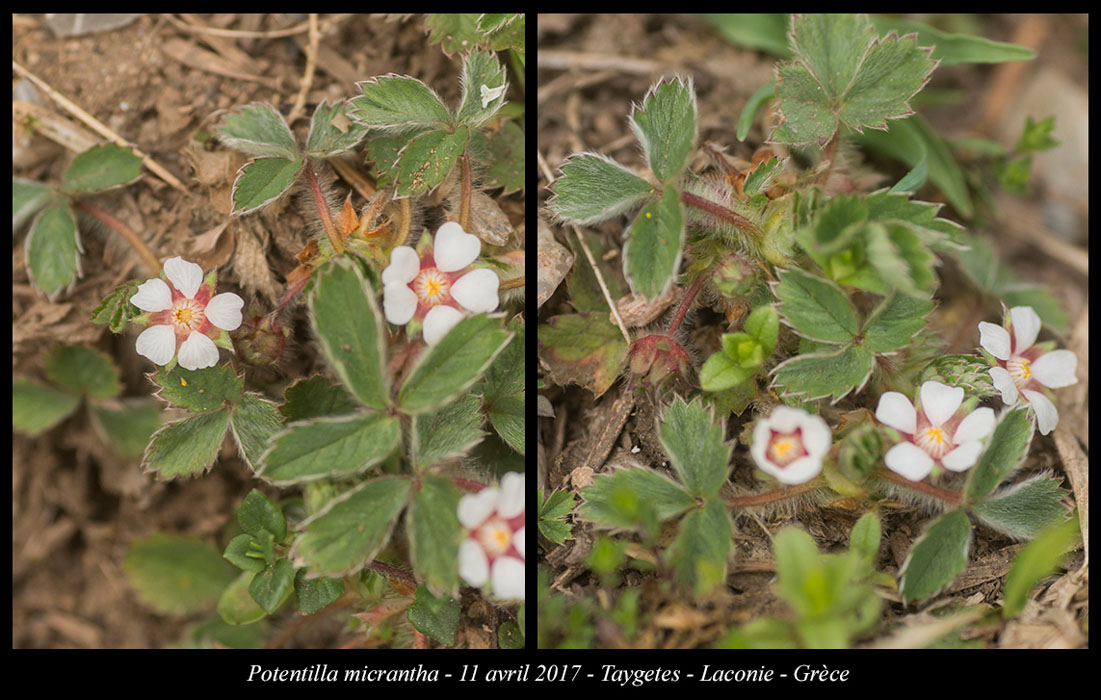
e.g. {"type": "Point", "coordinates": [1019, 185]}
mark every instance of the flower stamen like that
{"type": "Point", "coordinates": [432, 287]}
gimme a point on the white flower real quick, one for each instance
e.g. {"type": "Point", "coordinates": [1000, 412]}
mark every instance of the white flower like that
{"type": "Point", "coordinates": [185, 315]}
{"type": "Point", "coordinates": [1025, 369]}
{"type": "Point", "coordinates": [436, 287]}
{"type": "Point", "coordinates": [938, 432]}
{"type": "Point", "coordinates": [493, 551]}
{"type": "Point", "coordinates": [790, 444]}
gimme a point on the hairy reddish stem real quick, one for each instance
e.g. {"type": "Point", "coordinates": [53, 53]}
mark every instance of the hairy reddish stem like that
{"type": "Point", "coordinates": [468, 484]}
{"type": "Point", "coordinates": [951, 497]}
{"type": "Point", "coordinates": [721, 212]}
{"type": "Point", "coordinates": [686, 303]}
{"type": "Point", "coordinates": [394, 572]}
{"type": "Point", "coordinates": [148, 256]}
{"type": "Point", "coordinates": [763, 499]}
{"type": "Point", "coordinates": [323, 209]}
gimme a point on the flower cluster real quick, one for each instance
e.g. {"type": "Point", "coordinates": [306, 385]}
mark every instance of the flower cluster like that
{"type": "Point", "coordinates": [939, 430]}
{"type": "Point", "coordinates": [1025, 369]}
{"type": "Point", "coordinates": [186, 316]}
{"type": "Point", "coordinates": [437, 286]}
{"type": "Point", "coordinates": [493, 551]}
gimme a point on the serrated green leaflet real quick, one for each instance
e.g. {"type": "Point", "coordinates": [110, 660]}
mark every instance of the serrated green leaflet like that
{"type": "Point", "coordinates": [666, 124]}
{"type": "Point", "coordinates": [126, 426]}
{"type": "Point", "coordinates": [35, 407]}
{"type": "Point", "coordinates": [1022, 510]}
{"type": "Point", "coordinates": [484, 83]}
{"type": "Point", "coordinates": [263, 181]}
{"type": "Point", "coordinates": [842, 75]}
{"type": "Point", "coordinates": [83, 371]}
{"type": "Point", "coordinates": [901, 258]}
{"type": "Point", "coordinates": [694, 443]}
{"type": "Point", "coordinates": [656, 243]}
{"type": "Point", "coordinates": [449, 432]}
{"type": "Point", "coordinates": [316, 593]}
{"type": "Point", "coordinates": [258, 512]}
{"type": "Point", "coordinates": [552, 513]}
{"type": "Point", "coordinates": [27, 197]}
{"type": "Point", "coordinates": [507, 169]}
{"type": "Point", "coordinates": [865, 537]}
{"type": "Point", "coordinates": [816, 308]}
{"type": "Point", "coordinates": [894, 322]}
{"type": "Point", "coordinates": [254, 421]}
{"type": "Point", "coordinates": [426, 160]}
{"type": "Point", "coordinates": [763, 325]}
{"type": "Point", "coordinates": [762, 175]}
{"type": "Point", "coordinates": [453, 364]}
{"type": "Point", "coordinates": [350, 530]}
{"type": "Point", "coordinates": [398, 103]}
{"type": "Point", "coordinates": [315, 397]}
{"type": "Point", "coordinates": [436, 617]}
{"type": "Point", "coordinates": [434, 533]}
{"type": "Point", "coordinates": [602, 506]}
{"type": "Point", "coordinates": [176, 575]}
{"type": "Point", "coordinates": [272, 587]}
{"type": "Point", "coordinates": [101, 168]}
{"type": "Point", "coordinates": [954, 49]}
{"type": "Point", "coordinates": [53, 248]}
{"type": "Point", "coordinates": [346, 319]}
{"type": "Point", "coordinates": [326, 139]}
{"type": "Point", "coordinates": [259, 130]}
{"type": "Point", "coordinates": [1005, 451]}
{"type": "Point", "coordinates": [828, 373]}
{"type": "Point", "coordinates": [241, 553]}
{"type": "Point", "coordinates": [595, 188]}
{"type": "Point", "coordinates": [937, 557]}
{"type": "Point", "coordinates": [116, 310]}
{"type": "Point", "coordinates": [330, 447]}
{"type": "Point", "coordinates": [721, 372]}
{"type": "Point", "coordinates": [1037, 560]}
{"type": "Point", "coordinates": [699, 553]}
{"type": "Point", "coordinates": [506, 375]}
{"type": "Point", "coordinates": [507, 415]}
{"type": "Point", "coordinates": [201, 389]}
{"type": "Point", "coordinates": [236, 605]}
{"type": "Point", "coordinates": [383, 151]}
{"type": "Point", "coordinates": [187, 447]}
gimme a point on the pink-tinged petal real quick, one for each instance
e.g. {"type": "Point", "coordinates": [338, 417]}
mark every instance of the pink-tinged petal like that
{"type": "Point", "coordinates": [1026, 326]}
{"type": "Point", "coordinates": [963, 457]}
{"type": "Point", "coordinates": [1056, 369]}
{"type": "Point", "coordinates": [975, 426]}
{"type": "Point", "coordinates": [198, 352]}
{"type": "Point", "coordinates": [518, 539]}
{"type": "Point", "coordinates": [224, 311]}
{"type": "Point", "coordinates": [761, 434]}
{"type": "Point", "coordinates": [817, 437]}
{"type": "Point", "coordinates": [995, 340]}
{"type": "Point", "coordinates": [454, 248]}
{"type": "Point", "coordinates": [473, 564]}
{"type": "Point", "coordinates": [474, 508]}
{"type": "Point", "coordinates": [439, 321]}
{"type": "Point", "coordinates": [785, 419]}
{"type": "Point", "coordinates": [185, 276]}
{"type": "Point", "coordinates": [939, 401]}
{"type": "Point", "coordinates": [909, 460]}
{"type": "Point", "coordinates": [404, 266]}
{"type": "Point", "coordinates": [896, 411]}
{"type": "Point", "coordinates": [1003, 382]}
{"type": "Point", "coordinates": [152, 295]}
{"type": "Point", "coordinates": [513, 498]}
{"type": "Point", "coordinates": [800, 471]}
{"type": "Point", "coordinates": [508, 579]}
{"type": "Point", "coordinates": [158, 344]}
{"type": "Point", "coordinates": [476, 291]}
{"type": "Point", "coordinates": [399, 303]}
{"type": "Point", "coordinates": [1047, 416]}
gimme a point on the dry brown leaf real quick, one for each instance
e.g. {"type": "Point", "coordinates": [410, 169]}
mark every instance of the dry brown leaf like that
{"type": "Point", "coordinates": [555, 261]}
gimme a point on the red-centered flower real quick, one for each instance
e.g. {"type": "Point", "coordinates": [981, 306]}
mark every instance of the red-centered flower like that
{"type": "Point", "coordinates": [790, 445]}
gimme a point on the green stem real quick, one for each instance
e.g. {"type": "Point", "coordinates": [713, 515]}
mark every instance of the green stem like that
{"type": "Point", "coordinates": [323, 209]}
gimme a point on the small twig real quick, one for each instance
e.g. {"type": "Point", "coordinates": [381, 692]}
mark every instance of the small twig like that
{"type": "Point", "coordinates": [97, 125]}
{"type": "Point", "coordinates": [589, 255]}
{"type": "Point", "coordinates": [307, 78]}
{"type": "Point", "coordinates": [588, 60]}
{"type": "Point", "coordinates": [467, 192]}
{"type": "Point", "coordinates": [152, 262]}
{"type": "Point", "coordinates": [241, 33]}
{"type": "Point", "coordinates": [394, 572]}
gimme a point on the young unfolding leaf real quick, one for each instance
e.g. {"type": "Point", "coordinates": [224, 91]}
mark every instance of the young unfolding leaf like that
{"type": "Point", "coordinates": [694, 443]}
{"type": "Point", "coordinates": [484, 84]}
{"type": "Point", "coordinates": [594, 188]}
{"type": "Point", "coordinates": [258, 512]}
{"type": "Point", "coordinates": [759, 179]}
{"type": "Point", "coordinates": [116, 310]}
{"type": "Point", "coordinates": [552, 515]}
{"type": "Point", "coordinates": [101, 168]}
{"type": "Point", "coordinates": [333, 447]}
{"type": "Point", "coordinates": [698, 555]}
{"type": "Point", "coordinates": [53, 249]}
{"type": "Point", "coordinates": [259, 130]}
{"type": "Point", "coordinates": [937, 557]}
{"type": "Point", "coordinates": [188, 446]}
{"type": "Point", "coordinates": [326, 139]}
{"type": "Point", "coordinates": [666, 125]}
{"type": "Point", "coordinates": [842, 74]}
{"type": "Point", "coordinates": [272, 587]}
{"type": "Point", "coordinates": [347, 533]}
{"type": "Point", "coordinates": [263, 181]}
{"type": "Point", "coordinates": [653, 253]}
{"type": "Point", "coordinates": [397, 104]}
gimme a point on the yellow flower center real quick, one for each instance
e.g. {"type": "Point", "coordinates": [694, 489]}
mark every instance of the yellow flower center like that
{"type": "Point", "coordinates": [187, 315]}
{"type": "Point", "coordinates": [431, 287]}
{"type": "Point", "coordinates": [934, 442]}
{"type": "Point", "coordinates": [495, 536]}
{"type": "Point", "coordinates": [1020, 370]}
{"type": "Point", "coordinates": [785, 448]}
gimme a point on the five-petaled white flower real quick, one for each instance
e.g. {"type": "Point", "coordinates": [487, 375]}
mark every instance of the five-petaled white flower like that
{"type": "Point", "coordinates": [493, 551]}
{"type": "Point", "coordinates": [185, 315]}
{"type": "Point", "coordinates": [790, 444]}
{"type": "Point", "coordinates": [936, 432]}
{"type": "Point", "coordinates": [1024, 368]}
{"type": "Point", "coordinates": [436, 286]}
